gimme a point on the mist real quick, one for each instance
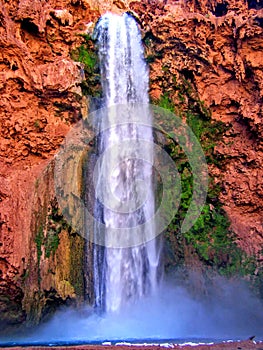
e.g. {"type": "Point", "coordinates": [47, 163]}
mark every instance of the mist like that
{"type": "Point", "coordinates": [228, 311]}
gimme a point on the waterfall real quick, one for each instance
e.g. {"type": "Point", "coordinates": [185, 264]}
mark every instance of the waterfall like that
{"type": "Point", "coordinates": [124, 178]}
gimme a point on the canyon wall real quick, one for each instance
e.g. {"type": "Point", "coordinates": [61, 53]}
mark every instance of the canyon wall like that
{"type": "Point", "coordinates": [214, 45]}
{"type": "Point", "coordinates": [217, 46]}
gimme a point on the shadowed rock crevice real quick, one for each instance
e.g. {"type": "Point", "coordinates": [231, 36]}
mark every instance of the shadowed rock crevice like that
{"type": "Point", "coordinates": [255, 4]}
{"type": "Point", "coordinates": [29, 26]}
{"type": "Point", "coordinates": [220, 9]}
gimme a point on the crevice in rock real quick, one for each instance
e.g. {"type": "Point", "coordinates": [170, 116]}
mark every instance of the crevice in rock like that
{"type": "Point", "coordinates": [249, 73]}
{"type": "Point", "coordinates": [259, 21]}
{"type": "Point", "coordinates": [220, 9]}
{"type": "Point", "coordinates": [255, 4]}
{"type": "Point", "coordinates": [29, 26]}
{"type": "Point", "coordinates": [188, 74]}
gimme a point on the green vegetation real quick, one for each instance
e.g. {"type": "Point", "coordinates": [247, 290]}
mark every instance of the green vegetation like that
{"type": "Point", "coordinates": [39, 242]}
{"type": "Point", "coordinates": [56, 223]}
{"type": "Point", "coordinates": [87, 37]}
{"type": "Point", "coordinates": [77, 248]}
{"type": "Point", "coordinates": [51, 243]}
{"type": "Point", "coordinates": [47, 238]}
{"type": "Point", "coordinates": [150, 58]}
{"type": "Point", "coordinates": [150, 53]}
{"type": "Point", "coordinates": [47, 241]}
{"type": "Point", "coordinates": [88, 56]}
{"type": "Point", "coordinates": [165, 102]}
{"type": "Point", "coordinates": [36, 124]}
{"type": "Point", "coordinates": [210, 237]}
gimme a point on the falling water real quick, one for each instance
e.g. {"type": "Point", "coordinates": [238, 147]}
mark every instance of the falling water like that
{"type": "Point", "coordinates": [124, 189]}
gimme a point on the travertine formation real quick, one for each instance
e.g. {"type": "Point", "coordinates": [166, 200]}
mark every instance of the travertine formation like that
{"type": "Point", "coordinates": [216, 45]}
{"type": "Point", "coordinates": [220, 53]}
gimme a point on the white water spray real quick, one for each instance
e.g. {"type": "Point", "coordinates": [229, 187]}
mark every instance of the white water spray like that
{"type": "Point", "coordinates": [124, 177]}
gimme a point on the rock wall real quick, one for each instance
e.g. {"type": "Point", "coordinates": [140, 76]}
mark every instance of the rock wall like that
{"type": "Point", "coordinates": [40, 99]}
{"type": "Point", "coordinates": [215, 45]}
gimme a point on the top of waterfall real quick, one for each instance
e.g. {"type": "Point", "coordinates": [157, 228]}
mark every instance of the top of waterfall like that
{"type": "Point", "coordinates": [115, 18]}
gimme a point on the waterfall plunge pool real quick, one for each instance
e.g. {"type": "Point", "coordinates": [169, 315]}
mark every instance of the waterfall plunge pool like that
{"type": "Point", "coordinates": [172, 316]}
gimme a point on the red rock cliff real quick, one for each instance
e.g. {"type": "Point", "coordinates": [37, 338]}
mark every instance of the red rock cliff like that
{"type": "Point", "coordinates": [217, 45]}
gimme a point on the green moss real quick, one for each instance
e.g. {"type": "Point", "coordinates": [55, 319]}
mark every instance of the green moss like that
{"type": "Point", "coordinates": [150, 58]}
{"type": "Point", "coordinates": [256, 265]}
{"type": "Point", "coordinates": [56, 223]}
{"type": "Point", "coordinates": [87, 54]}
{"type": "Point", "coordinates": [39, 239]}
{"type": "Point", "coordinates": [87, 37]}
{"type": "Point", "coordinates": [147, 41]}
{"type": "Point", "coordinates": [83, 55]}
{"type": "Point", "coordinates": [51, 243]}
{"type": "Point", "coordinates": [39, 242]}
{"type": "Point", "coordinates": [210, 236]}
{"type": "Point", "coordinates": [77, 263]}
{"type": "Point", "coordinates": [214, 243]}
{"type": "Point", "coordinates": [166, 102]}
{"type": "Point", "coordinates": [47, 237]}
{"type": "Point", "coordinates": [150, 54]}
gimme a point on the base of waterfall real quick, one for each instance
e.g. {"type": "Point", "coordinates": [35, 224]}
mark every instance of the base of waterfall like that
{"type": "Point", "coordinates": [172, 316]}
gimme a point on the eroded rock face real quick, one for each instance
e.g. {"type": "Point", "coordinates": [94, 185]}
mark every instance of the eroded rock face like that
{"type": "Point", "coordinates": [216, 45]}
{"type": "Point", "coordinates": [40, 98]}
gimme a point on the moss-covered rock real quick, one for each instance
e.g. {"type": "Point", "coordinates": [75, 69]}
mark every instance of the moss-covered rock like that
{"type": "Point", "coordinates": [210, 239]}
{"type": "Point", "coordinates": [55, 273]}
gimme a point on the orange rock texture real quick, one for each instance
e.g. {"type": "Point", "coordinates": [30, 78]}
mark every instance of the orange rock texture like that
{"type": "Point", "coordinates": [40, 98]}
{"type": "Point", "coordinates": [216, 45]}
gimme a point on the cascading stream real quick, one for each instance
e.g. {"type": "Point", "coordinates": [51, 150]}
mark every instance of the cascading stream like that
{"type": "Point", "coordinates": [124, 183]}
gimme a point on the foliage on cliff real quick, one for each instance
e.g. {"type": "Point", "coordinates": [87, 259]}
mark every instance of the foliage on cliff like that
{"type": "Point", "coordinates": [211, 237]}
{"type": "Point", "coordinates": [87, 54]}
